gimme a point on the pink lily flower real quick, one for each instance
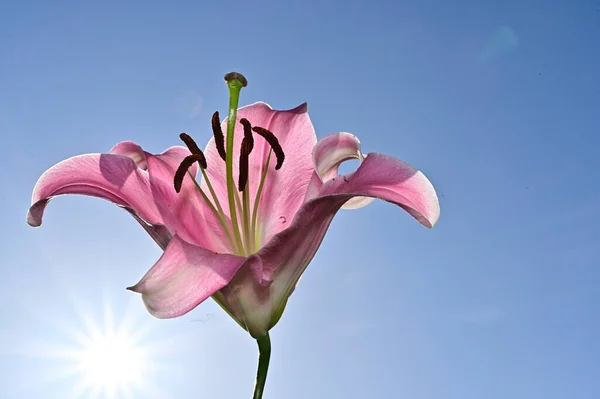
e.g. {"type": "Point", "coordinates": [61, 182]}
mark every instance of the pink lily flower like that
{"type": "Point", "coordinates": [250, 254]}
{"type": "Point", "coordinates": [292, 211]}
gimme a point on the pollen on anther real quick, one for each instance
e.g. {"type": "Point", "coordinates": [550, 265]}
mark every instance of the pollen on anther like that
{"type": "Point", "coordinates": [218, 134]}
{"type": "Point", "coordinates": [190, 144]}
{"type": "Point", "coordinates": [183, 168]}
{"type": "Point", "coordinates": [273, 142]}
{"type": "Point", "coordinates": [248, 133]}
{"type": "Point", "coordinates": [245, 150]}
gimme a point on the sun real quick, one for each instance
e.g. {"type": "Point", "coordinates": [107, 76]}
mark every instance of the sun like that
{"type": "Point", "coordinates": [97, 351]}
{"type": "Point", "coordinates": [111, 364]}
{"type": "Point", "coordinates": [109, 360]}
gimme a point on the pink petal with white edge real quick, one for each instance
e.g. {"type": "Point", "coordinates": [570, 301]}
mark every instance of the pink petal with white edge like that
{"type": "Point", "coordinates": [115, 178]}
{"type": "Point", "coordinates": [183, 277]}
{"type": "Point", "coordinates": [328, 155]}
{"type": "Point", "coordinates": [284, 189]}
{"type": "Point", "coordinates": [287, 255]}
{"type": "Point", "coordinates": [121, 177]}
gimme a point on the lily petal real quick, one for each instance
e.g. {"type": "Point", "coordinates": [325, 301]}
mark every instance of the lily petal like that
{"type": "Point", "coordinates": [287, 255]}
{"type": "Point", "coordinates": [164, 165]}
{"type": "Point", "coordinates": [328, 155]}
{"type": "Point", "coordinates": [133, 151]}
{"type": "Point", "coordinates": [390, 179]}
{"type": "Point", "coordinates": [247, 297]}
{"type": "Point", "coordinates": [159, 232]}
{"type": "Point", "coordinates": [122, 177]}
{"type": "Point", "coordinates": [183, 277]}
{"type": "Point", "coordinates": [115, 178]}
{"type": "Point", "coordinates": [284, 189]}
{"type": "Point", "coordinates": [185, 213]}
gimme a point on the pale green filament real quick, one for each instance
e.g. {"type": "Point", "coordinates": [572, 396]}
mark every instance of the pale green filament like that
{"type": "Point", "coordinates": [238, 203]}
{"type": "Point", "coordinates": [220, 216]}
{"type": "Point", "coordinates": [246, 213]}
{"type": "Point", "coordinates": [235, 86]}
{"type": "Point", "coordinates": [256, 234]}
{"type": "Point", "coordinates": [212, 193]}
{"type": "Point", "coordinates": [238, 206]}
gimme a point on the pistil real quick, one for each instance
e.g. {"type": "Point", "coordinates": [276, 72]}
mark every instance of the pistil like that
{"type": "Point", "coordinates": [235, 82]}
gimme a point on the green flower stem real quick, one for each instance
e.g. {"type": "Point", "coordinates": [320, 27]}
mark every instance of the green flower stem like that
{"type": "Point", "coordinates": [235, 86]}
{"type": "Point", "coordinates": [264, 355]}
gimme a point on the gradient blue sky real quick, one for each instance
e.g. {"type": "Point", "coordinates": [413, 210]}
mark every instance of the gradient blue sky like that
{"type": "Point", "coordinates": [498, 103]}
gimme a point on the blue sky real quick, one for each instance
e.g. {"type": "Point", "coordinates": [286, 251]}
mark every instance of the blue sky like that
{"type": "Point", "coordinates": [496, 102]}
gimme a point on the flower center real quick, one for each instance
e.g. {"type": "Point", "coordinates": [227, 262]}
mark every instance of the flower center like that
{"type": "Point", "coordinates": [241, 228]}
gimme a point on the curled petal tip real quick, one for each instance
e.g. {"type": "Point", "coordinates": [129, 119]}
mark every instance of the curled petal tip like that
{"type": "Point", "coordinates": [35, 213]}
{"type": "Point", "coordinates": [300, 109]}
{"type": "Point", "coordinates": [133, 151]}
{"type": "Point", "coordinates": [433, 221]}
{"type": "Point", "coordinates": [32, 223]}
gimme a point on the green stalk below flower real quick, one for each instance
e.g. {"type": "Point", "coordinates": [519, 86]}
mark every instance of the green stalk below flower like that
{"type": "Point", "coordinates": [264, 356]}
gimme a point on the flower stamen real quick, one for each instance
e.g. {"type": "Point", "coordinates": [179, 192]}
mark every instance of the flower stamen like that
{"type": "Point", "coordinates": [243, 233]}
{"type": "Point", "coordinates": [218, 134]}
{"type": "Point", "coordinates": [194, 149]}
{"type": "Point", "coordinates": [273, 142]}
{"type": "Point", "coordinates": [256, 237]}
{"type": "Point", "coordinates": [198, 156]}
{"type": "Point", "coordinates": [183, 168]}
{"type": "Point", "coordinates": [245, 150]}
{"type": "Point", "coordinates": [247, 146]}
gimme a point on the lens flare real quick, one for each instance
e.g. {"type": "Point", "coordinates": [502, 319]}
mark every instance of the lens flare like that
{"type": "Point", "coordinates": [111, 363]}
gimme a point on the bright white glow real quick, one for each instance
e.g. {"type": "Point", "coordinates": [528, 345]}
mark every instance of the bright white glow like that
{"type": "Point", "coordinates": [103, 359]}
{"type": "Point", "coordinates": [111, 363]}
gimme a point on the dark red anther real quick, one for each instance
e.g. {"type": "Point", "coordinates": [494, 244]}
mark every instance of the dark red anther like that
{"type": "Point", "coordinates": [273, 142]}
{"type": "Point", "coordinates": [183, 168]}
{"type": "Point", "coordinates": [218, 133]}
{"type": "Point", "coordinates": [247, 146]}
{"type": "Point", "coordinates": [194, 149]}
